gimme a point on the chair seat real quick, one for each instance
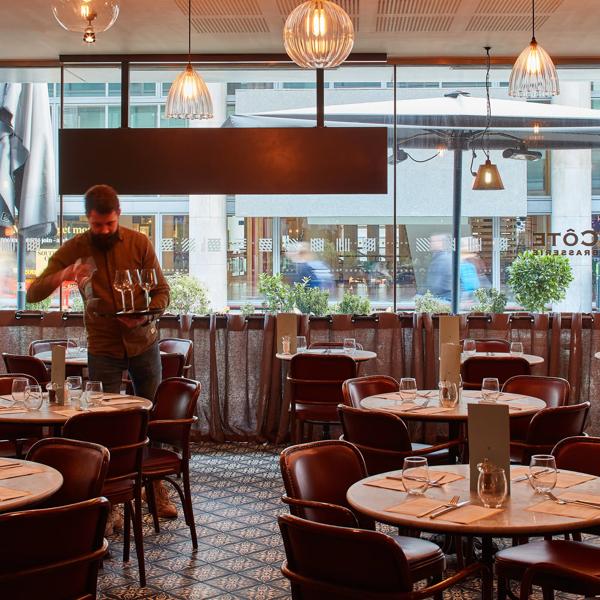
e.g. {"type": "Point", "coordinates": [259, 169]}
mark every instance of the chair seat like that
{"type": "Point", "coordinates": [119, 491]}
{"type": "Point", "coordinates": [439, 457]}
{"type": "Point", "coordinates": [159, 461]}
{"type": "Point", "coordinates": [425, 558]}
{"type": "Point", "coordinates": [512, 562]}
{"type": "Point", "coordinates": [326, 413]}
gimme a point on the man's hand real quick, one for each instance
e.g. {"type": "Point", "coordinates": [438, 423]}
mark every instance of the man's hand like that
{"type": "Point", "coordinates": [79, 272]}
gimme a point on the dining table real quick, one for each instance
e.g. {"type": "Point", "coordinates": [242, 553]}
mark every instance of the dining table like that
{"type": "Point", "coordinates": [25, 483]}
{"type": "Point", "coordinates": [73, 356]}
{"type": "Point", "coordinates": [358, 355]}
{"type": "Point", "coordinates": [523, 513]}
{"type": "Point", "coordinates": [532, 359]}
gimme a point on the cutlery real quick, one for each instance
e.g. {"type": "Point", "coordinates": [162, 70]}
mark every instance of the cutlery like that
{"type": "Point", "coordinates": [527, 476]}
{"type": "Point", "coordinates": [567, 501]}
{"type": "Point", "coordinates": [443, 511]}
{"type": "Point", "coordinates": [453, 501]}
{"type": "Point", "coordinates": [430, 482]}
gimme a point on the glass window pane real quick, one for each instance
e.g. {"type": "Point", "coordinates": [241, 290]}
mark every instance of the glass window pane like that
{"type": "Point", "coordinates": [143, 116]}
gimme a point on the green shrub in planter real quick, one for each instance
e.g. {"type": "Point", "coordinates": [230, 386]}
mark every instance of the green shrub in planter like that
{"type": "Point", "coordinates": [188, 295]}
{"type": "Point", "coordinates": [277, 293]}
{"type": "Point", "coordinates": [489, 300]}
{"type": "Point", "coordinates": [310, 300]}
{"type": "Point", "coordinates": [248, 309]}
{"type": "Point", "coordinates": [43, 305]}
{"type": "Point", "coordinates": [352, 304]}
{"type": "Point", "coordinates": [428, 303]}
{"type": "Point", "coordinates": [538, 280]}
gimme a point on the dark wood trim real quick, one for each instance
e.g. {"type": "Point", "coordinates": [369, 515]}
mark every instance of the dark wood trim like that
{"type": "Point", "coordinates": [125, 94]}
{"type": "Point", "coordinates": [480, 61]}
{"type": "Point", "coordinates": [29, 64]}
{"type": "Point", "coordinates": [320, 98]}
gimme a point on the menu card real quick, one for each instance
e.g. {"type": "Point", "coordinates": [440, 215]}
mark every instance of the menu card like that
{"type": "Point", "coordinates": [489, 437]}
{"type": "Point", "coordinates": [449, 330]}
{"type": "Point", "coordinates": [450, 363]}
{"type": "Point", "coordinates": [287, 324]}
{"type": "Point", "coordinates": [58, 372]}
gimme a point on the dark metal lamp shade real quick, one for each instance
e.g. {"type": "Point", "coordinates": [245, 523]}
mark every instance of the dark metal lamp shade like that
{"type": "Point", "coordinates": [488, 177]}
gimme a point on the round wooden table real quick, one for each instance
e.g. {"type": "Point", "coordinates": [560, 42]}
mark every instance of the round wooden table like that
{"type": "Point", "coordinates": [38, 486]}
{"type": "Point", "coordinates": [513, 520]}
{"type": "Point", "coordinates": [532, 359]}
{"type": "Point", "coordinates": [358, 355]}
{"type": "Point", "coordinates": [73, 357]}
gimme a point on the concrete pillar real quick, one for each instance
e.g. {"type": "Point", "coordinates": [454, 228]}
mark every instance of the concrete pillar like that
{"type": "Point", "coordinates": [208, 221]}
{"type": "Point", "coordinates": [572, 202]}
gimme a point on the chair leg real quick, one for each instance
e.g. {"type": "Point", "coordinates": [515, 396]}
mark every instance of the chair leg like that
{"type": "Point", "coordinates": [502, 584]}
{"type": "Point", "coordinates": [188, 508]}
{"type": "Point", "coordinates": [126, 530]}
{"type": "Point", "coordinates": [547, 593]}
{"type": "Point", "coordinates": [138, 535]}
{"type": "Point", "coordinates": [150, 498]}
{"type": "Point", "coordinates": [326, 431]}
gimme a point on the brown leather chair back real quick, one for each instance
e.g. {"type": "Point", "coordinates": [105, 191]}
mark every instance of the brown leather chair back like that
{"type": "Point", "coordinates": [6, 382]}
{"type": "Point", "coordinates": [38, 346]}
{"type": "Point", "coordinates": [490, 345]}
{"type": "Point", "coordinates": [83, 466]}
{"type": "Point", "coordinates": [322, 471]}
{"type": "Point", "coordinates": [318, 379]}
{"type": "Point", "coordinates": [172, 415]}
{"type": "Point", "coordinates": [476, 368]}
{"type": "Point", "coordinates": [554, 391]}
{"type": "Point", "coordinates": [325, 561]}
{"type": "Point", "coordinates": [172, 365]}
{"type": "Point", "coordinates": [179, 346]}
{"type": "Point", "coordinates": [578, 453]}
{"type": "Point", "coordinates": [53, 553]}
{"type": "Point", "coordinates": [354, 390]}
{"type": "Point", "coordinates": [381, 437]}
{"type": "Point", "coordinates": [22, 363]}
{"type": "Point", "coordinates": [328, 345]}
{"type": "Point", "coordinates": [122, 432]}
{"type": "Point", "coordinates": [551, 425]}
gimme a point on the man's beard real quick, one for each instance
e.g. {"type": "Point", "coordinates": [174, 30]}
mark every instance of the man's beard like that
{"type": "Point", "coordinates": [104, 242]}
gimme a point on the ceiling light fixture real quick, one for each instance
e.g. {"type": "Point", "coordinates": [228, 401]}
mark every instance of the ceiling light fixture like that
{"type": "Point", "coordinates": [189, 97]}
{"type": "Point", "coordinates": [89, 17]}
{"type": "Point", "coordinates": [318, 34]}
{"type": "Point", "coordinates": [522, 153]}
{"type": "Point", "coordinates": [533, 74]}
{"type": "Point", "coordinates": [488, 176]}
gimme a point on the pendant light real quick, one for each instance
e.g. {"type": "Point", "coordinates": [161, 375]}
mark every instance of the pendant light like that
{"type": "Point", "coordinates": [318, 34]}
{"type": "Point", "coordinates": [86, 16]}
{"type": "Point", "coordinates": [189, 97]}
{"type": "Point", "coordinates": [488, 176]}
{"type": "Point", "coordinates": [533, 74]}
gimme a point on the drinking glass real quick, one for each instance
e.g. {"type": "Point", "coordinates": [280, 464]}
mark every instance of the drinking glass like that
{"type": "Point", "coordinates": [148, 282]}
{"type": "Point", "coordinates": [72, 348]}
{"type": "Point", "coordinates": [415, 475]}
{"type": "Point", "coordinates": [408, 389]}
{"type": "Point", "coordinates": [490, 389]}
{"type": "Point", "coordinates": [449, 394]}
{"type": "Point", "coordinates": [300, 343]}
{"type": "Point", "coordinates": [93, 392]}
{"type": "Point", "coordinates": [349, 345]}
{"type": "Point", "coordinates": [121, 283]}
{"type": "Point", "coordinates": [491, 486]}
{"type": "Point", "coordinates": [516, 348]}
{"type": "Point", "coordinates": [130, 283]}
{"type": "Point", "coordinates": [74, 387]}
{"type": "Point", "coordinates": [469, 347]}
{"type": "Point", "coordinates": [19, 384]}
{"type": "Point", "coordinates": [33, 397]}
{"type": "Point", "coordinates": [286, 344]}
{"type": "Point", "coordinates": [542, 473]}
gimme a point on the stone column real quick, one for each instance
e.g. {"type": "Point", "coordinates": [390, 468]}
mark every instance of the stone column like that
{"type": "Point", "coordinates": [572, 202]}
{"type": "Point", "coordinates": [208, 222]}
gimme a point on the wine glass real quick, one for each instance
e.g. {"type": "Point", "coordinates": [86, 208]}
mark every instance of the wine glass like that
{"type": "Point", "coordinates": [19, 384]}
{"type": "Point", "coordinates": [93, 392]}
{"type": "Point", "coordinates": [408, 389]}
{"type": "Point", "coordinates": [542, 473]}
{"type": "Point", "coordinates": [490, 389]}
{"type": "Point", "coordinates": [491, 485]}
{"type": "Point", "coordinates": [74, 385]}
{"type": "Point", "coordinates": [415, 475]}
{"type": "Point", "coordinates": [350, 345]}
{"type": "Point", "coordinates": [130, 284]}
{"type": "Point", "coordinates": [469, 347]}
{"type": "Point", "coordinates": [33, 397]}
{"type": "Point", "coordinates": [300, 343]}
{"type": "Point", "coordinates": [148, 282]}
{"type": "Point", "coordinates": [516, 349]}
{"type": "Point", "coordinates": [121, 283]}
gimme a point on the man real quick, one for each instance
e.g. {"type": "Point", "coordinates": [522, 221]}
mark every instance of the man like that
{"type": "Point", "coordinates": [91, 259]}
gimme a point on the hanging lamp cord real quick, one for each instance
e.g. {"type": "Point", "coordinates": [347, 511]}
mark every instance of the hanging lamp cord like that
{"type": "Point", "coordinates": [533, 18]}
{"type": "Point", "coordinates": [190, 31]}
{"type": "Point", "coordinates": [488, 123]}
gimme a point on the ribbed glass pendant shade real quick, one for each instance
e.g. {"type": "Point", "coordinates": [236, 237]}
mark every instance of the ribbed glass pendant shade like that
{"type": "Point", "coordinates": [318, 34]}
{"type": "Point", "coordinates": [189, 97]}
{"type": "Point", "coordinates": [86, 16]}
{"type": "Point", "coordinates": [488, 177]}
{"type": "Point", "coordinates": [534, 74]}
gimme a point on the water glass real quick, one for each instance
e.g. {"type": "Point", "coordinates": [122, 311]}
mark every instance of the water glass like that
{"type": "Point", "coordinates": [516, 349]}
{"type": "Point", "coordinates": [300, 343]}
{"type": "Point", "coordinates": [350, 345]}
{"type": "Point", "coordinates": [93, 392]}
{"type": "Point", "coordinates": [492, 487]}
{"type": "Point", "coordinates": [415, 475]}
{"type": "Point", "coordinates": [74, 385]}
{"type": "Point", "coordinates": [286, 344]}
{"type": "Point", "coordinates": [490, 389]}
{"type": "Point", "coordinates": [408, 389]}
{"type": "Point", "coordinates": [542, 473]}
{"type": "Point", "coordinates": [469, 347]}
{"type": "Point", "coordinates": [33, 397]}
{"type": "Point", "coordinates": [448, 393]}
{"type": "Point", "coordinates": [19, 384]}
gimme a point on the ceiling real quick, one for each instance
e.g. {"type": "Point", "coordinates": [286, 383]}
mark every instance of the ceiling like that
{"type": "Point", "coordinates": [434, 28]}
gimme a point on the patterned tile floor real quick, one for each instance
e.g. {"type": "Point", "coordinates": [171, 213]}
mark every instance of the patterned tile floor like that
{"type": "Point", "coordinates": [236, 490]}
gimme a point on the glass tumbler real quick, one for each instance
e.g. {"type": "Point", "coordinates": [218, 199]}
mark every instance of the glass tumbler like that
{"type": "Point", "coordinates": [415, 475]}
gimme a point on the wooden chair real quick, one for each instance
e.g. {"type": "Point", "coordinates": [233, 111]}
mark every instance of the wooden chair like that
{"type": "Point", "coordinates": [316, 389]}
{"type": "Point", "coordinates": [490, 345]}
{"type": "Point", "coordinates": [173, 365]}
{"type": "Point", "coordinates": [326, 561]}
{"type": "Point", "coordinates": [354, 390]}
{"type": "Point", "coordinates": [53, 553]}
{"type": "Point", "coordinates": [383, 440]}
{"type": "Point", "coordinates": [124, 434]}
{"type": "Point", "coordinates": [171, 420]}
{"type": "Point", "coordinates": [547, 428]}
{"type": "Point", "coordinates": [83, 466]}
{"type": "Point", "coordinates": [180, 346]}
{"type": "Point", "coordinates": [23, 363]}
{"type": "Point", "coordinates": [38, 346]}
{"type": "Point", "coordinates": [476, 368]}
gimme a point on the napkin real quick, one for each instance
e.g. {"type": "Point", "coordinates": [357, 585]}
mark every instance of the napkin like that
{"type": "Point", "coordinates": [12, 411]}
{"type": "Point", "coordinates": [400, 408]}
{"type": "Point", "coordinates": [430, 410]}
{"type": "Point", "coordinates": [564, 479]}
{"type": "Point", "coordinates": [417, 507]}
{"type": "Point", "coordinates": [8, 494]}
{"type": "Point", "coordinates": [577, 511]}
{"type": "Point", "coordinates": [469, 514]}
{"type": "Point", "coordinates": [390, 396]}
{"type": "Point", "coordinates": [19, 472]}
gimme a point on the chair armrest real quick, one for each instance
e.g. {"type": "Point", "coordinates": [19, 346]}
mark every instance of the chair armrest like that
{"type": "Point", "coordinates": [341, 516]}
{"type": "Point", "coordinates": [555, 570]}
{"type": "Point", "coordinates": [159, 422]}
{"type": "Point", "coordinates": [472, 569]}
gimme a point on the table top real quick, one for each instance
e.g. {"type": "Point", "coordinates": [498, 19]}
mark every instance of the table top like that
{"type": "Point", "coordinates": [459, 412]}
{"type": "Point", "coordinates": [56, 415]}
{"type": "Point", "coordinates": [358, 356]}
{"type": "Point", "coordinates": [513, 519]}
{"type": "Point", "coordinates": [532, 359]}
{"type": "Point", "coordinates": [74, 356]}
{"type": "Point", "coordinates": [38, 485]}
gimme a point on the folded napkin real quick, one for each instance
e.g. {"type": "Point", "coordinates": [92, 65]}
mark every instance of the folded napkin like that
{"type": "Point", "coordinates": [577, 511]}
{"type": "Point", "coordinates": [8, 494]}
{"type": "Point", "coordinates": [19, 472]}
{"type": "Point", "coordinates": [390, 396]}
{"type": "Point", "coordinates": [469, 514]}
{"type": "Point", "coordinates": [430, 410]}
{"type": "Point", "coordinates": [387, 484]}
{"type": "Point", "coordinates": [399, 408]}
{"type": "Point", "coordinates": [417, 507]}
{"type": "Point", "coordinates": [67, 412]}
{"type": "Point", "coordinates": [564, 479]}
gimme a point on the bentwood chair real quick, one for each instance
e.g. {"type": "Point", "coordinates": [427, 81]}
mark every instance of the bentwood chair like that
{"type": "Point", "coordinates": [316, 390]}
{"type": "Point", "coordinates": [341, 563]}
{"type": "Point", "coordinates": [476, 368]}
{"type": "Point", "coordinates": [383, 440]}
{"type": "Point", "coordinates": [180, 346]}
{"type": "Point", "coordinates": [38, 346]}
{"type": "Point", "coordinates": [23, 363]}
{"type": "Point", "coordinates": [83, 466]}
{"type": "Point", "coordinates": [123, 433]}
{"type": "Point", "coordinates": [354, 390]}
{"type": "Point", "coordinates": [53, 553]}
{"type": "Point", "coordinates": [171, 420]}
{"type": "Point", "coordinates": [17, 434]}
{"type": "Point", "coordinates": [172, 364]}
{"type": "Point", "coordinates": [316, 477]}
{"type": "Point", "coordinates": [490, 345]}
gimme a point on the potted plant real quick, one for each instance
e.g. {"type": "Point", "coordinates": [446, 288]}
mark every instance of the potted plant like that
{"type": "Point", "coordinates": [310, 300]}
{"type": "Point", "coordinates": [489, 300]}
{"type": "Point", "coordinates": [189, 296]}
{"type": "Point", "coordinates": [428, 303]}
{"type": "Point", "coordinates": [353, 304]}
{"type": "Point", "coordinates": [277, 294]}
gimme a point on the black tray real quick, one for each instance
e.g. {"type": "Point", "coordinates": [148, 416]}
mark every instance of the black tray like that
{"type": "Point", "coordinates": [134, 314]}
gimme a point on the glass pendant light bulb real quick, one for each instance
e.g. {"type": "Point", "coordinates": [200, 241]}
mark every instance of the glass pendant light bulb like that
{"type": "Point", "coordinates": [318, 34]}
{"type": "Point", "coordinates": [88, 17]}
